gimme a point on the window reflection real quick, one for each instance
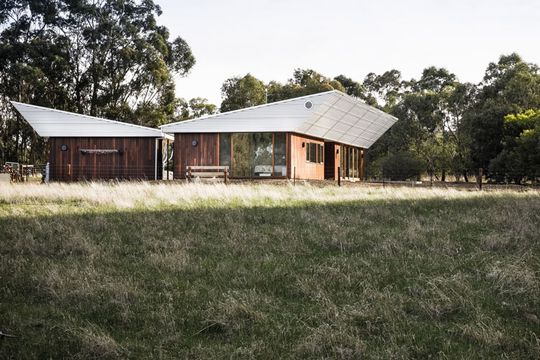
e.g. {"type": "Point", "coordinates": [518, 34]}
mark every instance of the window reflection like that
{"type": "Point", "coordinates": [225, 149]}
{"type": "Point", "coordinates": [280, 155]}
{"type": "Point", "coordinates": [254, 154]}
{"type": "Point", "coordinates": [349, 161]}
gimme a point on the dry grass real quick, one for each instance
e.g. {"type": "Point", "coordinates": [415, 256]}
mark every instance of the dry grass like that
{"type": "Point", "coordinates": [151, 195]}
{"type": "Point", "coordinates": [143, 270]}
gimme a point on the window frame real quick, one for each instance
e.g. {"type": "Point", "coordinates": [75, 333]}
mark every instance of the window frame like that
{"type": "Point", "coordinates": [314, 152]}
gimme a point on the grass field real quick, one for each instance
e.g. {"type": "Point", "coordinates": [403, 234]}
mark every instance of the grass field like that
{"type": "Point", "coordinates": [265, 271]}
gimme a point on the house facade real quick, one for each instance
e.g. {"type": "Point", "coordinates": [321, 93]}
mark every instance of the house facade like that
{"type": "Point", "coordinates": [314, 137]}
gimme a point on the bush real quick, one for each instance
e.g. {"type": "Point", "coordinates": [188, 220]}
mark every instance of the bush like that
{"type": "Point", "coordinates": [402, 166]}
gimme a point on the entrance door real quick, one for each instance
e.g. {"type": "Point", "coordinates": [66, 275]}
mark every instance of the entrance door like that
{"type": "Point", "coordinates": [330, 161]}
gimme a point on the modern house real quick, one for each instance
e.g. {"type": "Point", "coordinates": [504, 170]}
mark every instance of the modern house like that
{"type": "Point", "coordinates": [88, 148]}
{"type": "Point", "coordinates": [310, 137]}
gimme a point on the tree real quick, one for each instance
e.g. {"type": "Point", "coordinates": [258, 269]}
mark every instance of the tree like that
{"type": "Point", "coordinates": [402, 166]}
{"type": "Point", "coordinates": [102, 58]}
{"type": "Point", "coordinates": [304, 82]}
{"type": "Point", "coordinates": [509, 86]}
{"type": "Point", "coordinates": [520, 158]}
{"type": "Point", "coordinates": [242, 92]}
{"type": "Point", "coordinates": [194, 108]}
{"type": "Point", "coordinates": [384, 90]}
{"type": "Point", "coordinates": [351, 87]}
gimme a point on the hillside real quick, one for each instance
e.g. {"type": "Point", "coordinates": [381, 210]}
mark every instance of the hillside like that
{"type": "Point", "coordinates": [263, 271]}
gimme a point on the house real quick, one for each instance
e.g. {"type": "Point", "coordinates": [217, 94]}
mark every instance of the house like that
{"type": "Point", "coordinates": [89, 148]}
{"type": "Point", "coordinates": [316, 137]}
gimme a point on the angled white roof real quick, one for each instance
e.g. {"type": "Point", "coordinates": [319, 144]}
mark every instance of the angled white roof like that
{"type": "Point", "coordinates": [333, 116]}
{"type": "Point", "coordinates": [56, 123]}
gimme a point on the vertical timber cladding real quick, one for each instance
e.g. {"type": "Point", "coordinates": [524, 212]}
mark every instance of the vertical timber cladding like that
{"type": "Point", "coordinates": [298, 151]}
{"type": "Point", "coordinates": [103, 158]}
{"type": "Point", "coordinates": [196, 150]}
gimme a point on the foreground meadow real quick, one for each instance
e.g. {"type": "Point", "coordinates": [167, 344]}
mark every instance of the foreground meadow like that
{"type": "Point", "coordinates": [264, 271]}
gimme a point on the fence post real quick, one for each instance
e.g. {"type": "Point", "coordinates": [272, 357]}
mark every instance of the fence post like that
{"type": "Point", "coordinates": [480, 176]}
{"type": "Point", "coordinates": [294, 175]}
{"type": "Point", "coordinates": [225, 175]}
{"type": "Point", "coordinates": [46, 175]}
{"type": "Point", "coordinates": [339, 176]}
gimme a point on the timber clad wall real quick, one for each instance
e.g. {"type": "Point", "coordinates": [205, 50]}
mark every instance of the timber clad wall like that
{"type": "Point", "coordinates": [297, 156]}
{"type": "Point", "coordinates": [206, 152]}
{"type": "Point", "coordinates": [134, 159]}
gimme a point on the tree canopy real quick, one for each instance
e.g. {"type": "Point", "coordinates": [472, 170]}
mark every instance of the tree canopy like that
{"type": "Point", "coordinates": [106, 58]}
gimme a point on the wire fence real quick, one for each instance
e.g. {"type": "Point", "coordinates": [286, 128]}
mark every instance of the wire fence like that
{"type": "Point", "coordinates": [479, 179]}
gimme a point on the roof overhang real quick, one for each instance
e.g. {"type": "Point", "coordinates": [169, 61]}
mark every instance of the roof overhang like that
{"type": "Point", "coordinates": [56, 123]}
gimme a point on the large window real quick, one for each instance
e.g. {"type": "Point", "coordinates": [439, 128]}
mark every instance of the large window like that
{"type": "Point", "coordinates": [314, 153]}
{"type": "Point", "coordinates": [254, 154]}
{"type": "Point", "coordinates": [242, 155]}
{"type": "Point", "coordinates": [225, 149]}
{"type": "Point", "coordinates": [350, 161]}
{"type": "Point", "coordinates": [262, 154]}
{"type": "Point", "coordinates": [280, 154]}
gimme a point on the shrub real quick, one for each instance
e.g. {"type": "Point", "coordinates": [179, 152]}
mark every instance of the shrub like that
{"type": "Point", "coordinates": [402, 166]}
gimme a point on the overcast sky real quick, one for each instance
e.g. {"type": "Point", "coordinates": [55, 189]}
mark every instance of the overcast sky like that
{"type": "Point", "coordinates": [270, 38]}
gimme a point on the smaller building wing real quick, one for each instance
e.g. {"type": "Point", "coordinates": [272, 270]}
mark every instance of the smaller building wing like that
{"type": "Point", "coordinates": [56, 123]}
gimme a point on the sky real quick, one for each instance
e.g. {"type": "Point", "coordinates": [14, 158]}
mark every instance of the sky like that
{"type": "Point", "coordinates": [271, 38]}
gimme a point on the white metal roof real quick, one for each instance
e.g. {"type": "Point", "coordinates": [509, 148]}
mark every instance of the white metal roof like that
{"type": "Point", "coordinates": [333, 116]}
{"type": "Point", "coordinates": [56, 123]}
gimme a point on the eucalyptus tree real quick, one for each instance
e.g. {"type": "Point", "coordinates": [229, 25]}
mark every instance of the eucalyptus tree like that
{"type": "Point", "coordinates": [519, 159]}
{"type": "Point", "coordinates": [509, 86]}
{"type": "Point", "coordinates": [303, 82]}
{"type": "Point", "coordinates": [194, 108]}
{"type": "Point", "coordinates": [105, 58]}
{"type": "Point", "coordinates": [384, 90]}
{"type": "Point", "coordinates": [351, 87]}
{"type": "Point", "coordinates": [242, 92]}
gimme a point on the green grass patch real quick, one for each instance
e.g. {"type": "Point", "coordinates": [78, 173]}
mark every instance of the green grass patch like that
{"type": "Point", "coordinates": [269, 272]}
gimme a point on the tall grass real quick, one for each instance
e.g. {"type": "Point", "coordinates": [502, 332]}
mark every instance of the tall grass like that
{"type": "Point", "coordinates": [140, 270]}
{"type": "Point", "coordinates": [145, 194]}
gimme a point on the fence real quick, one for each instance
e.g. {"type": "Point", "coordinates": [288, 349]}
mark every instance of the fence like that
{"type": "Point", "coordinates": [479, 179]}
{"type": "Point", "coordinates": [38, 172]}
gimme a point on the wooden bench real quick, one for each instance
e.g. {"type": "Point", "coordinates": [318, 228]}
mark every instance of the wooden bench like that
{"type": "Point", "coordinates": [207, 171]}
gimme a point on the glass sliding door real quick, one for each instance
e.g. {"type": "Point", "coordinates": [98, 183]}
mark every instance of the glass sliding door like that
{"type": "Point", "coordinates": [225, 150]}
{"type": "Point", "coordinates": [262, 154]}
{"type": "Point", "coordinates": [349, 162]}
{"type": "Point", "coordinates": [280, 154]}
{"type": "Point", "coordinates": [254, 154]}
{"type": "Point", "coordinates": [242, 155]}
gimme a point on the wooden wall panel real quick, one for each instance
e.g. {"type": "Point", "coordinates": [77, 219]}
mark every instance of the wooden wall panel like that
{"type": "Point", "coordinates": [134, 160]}
{"type": "Point", "coordinates": [304, 169]}
{"type": "Point", "coordinates": [206, 152]}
